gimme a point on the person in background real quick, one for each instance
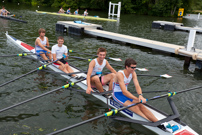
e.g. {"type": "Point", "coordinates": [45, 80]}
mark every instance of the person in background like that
{"type": "Point", "coordinates": [3, 11]}
{"type": "Point", "coordinates": [68, 11]}
{"type": "Point", "coordinates": [85, 13]}
{"type": "Point", "coordinates": [61, 10]}
{"type": "Point", "coordinates": [76, 12]}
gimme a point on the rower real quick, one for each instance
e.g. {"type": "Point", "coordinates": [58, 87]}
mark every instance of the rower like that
{"type": "Point", "coordinates": [68, 11]}
{"type": "Point", "coordinates": [61, 10]}
{"type": "Point", "coordinates": [41, 45]}
{"type": "Point", "coordinates": [95, 67]}
{"type": "Point", "coordinates": [85, 13]}
{"type": "Point", "coordinates": [3, 11]}
{"type": "Point", "coordinates": [124, 97]}
{"type": "Point", "coordinates": [59, 50]}
{"type": "Point", "coordinates": [76, 12]}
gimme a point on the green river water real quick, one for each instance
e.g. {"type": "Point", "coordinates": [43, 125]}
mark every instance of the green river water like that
{"type": "Point", "coordinates": [64, 108]}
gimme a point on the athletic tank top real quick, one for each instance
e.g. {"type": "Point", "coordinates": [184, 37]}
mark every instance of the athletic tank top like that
{"type": "Point", "coordinates": [98, 68]}
{"type": "Point", "coordinates": [37, 47]}
{"type": "Point", "coordinates": [116, 87]}
{"type": "Point", "coordinates": [3, 10]}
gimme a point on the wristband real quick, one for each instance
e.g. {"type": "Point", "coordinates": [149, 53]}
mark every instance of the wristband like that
{"type": "Point", "coordinates": [141, 94]}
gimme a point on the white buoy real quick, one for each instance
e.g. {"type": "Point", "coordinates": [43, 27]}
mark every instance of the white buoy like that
{"type": "Point", "coordinates": [18, 3]}
{"type": "Point", "coordinates": [3, 1]}
{"type": "Point", "coordinates": [38, 6]}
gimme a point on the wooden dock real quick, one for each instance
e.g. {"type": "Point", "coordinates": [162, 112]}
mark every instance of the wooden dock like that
{"type": "Point", "coordinates": [97, 30]}
{"type": "Point", "coordinates": [173, 26]}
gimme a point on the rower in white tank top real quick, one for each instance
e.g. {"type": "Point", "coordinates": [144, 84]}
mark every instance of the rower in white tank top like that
{"type": "Point", "coordinates": [117, 88]}
{"type": "Point", "coordinates": [43, 42]}
{"type": "Point", "coordinates": [118, 95]}
{"type": "Point", "coordinates": [98, 68]}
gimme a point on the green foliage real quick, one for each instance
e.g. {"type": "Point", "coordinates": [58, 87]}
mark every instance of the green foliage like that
{"type": "Point", "coordinates": [147, 7]}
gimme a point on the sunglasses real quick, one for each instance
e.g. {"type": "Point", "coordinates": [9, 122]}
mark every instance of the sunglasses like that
{"type": "Point", "coordinates": [133, 67]}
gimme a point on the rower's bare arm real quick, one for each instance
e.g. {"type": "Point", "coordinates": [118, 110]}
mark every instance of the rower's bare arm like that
{"type": "Point", "coordinates": [90, 70]}
{"type": "Point", "coordinates": [120, 79]}
{"type": "Point", "coordinates": [54, 59]}
{"type": "Point", "coordinates": [138, 88]}
{"type": "Point", "coordinates": [136, 83]}
{"type": "Point", "coordinates": [108, 66]}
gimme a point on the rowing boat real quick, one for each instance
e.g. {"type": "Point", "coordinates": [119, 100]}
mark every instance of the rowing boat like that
{"type": "Point", "coordinates": [9, 17]}
{"type": "Point", "coordinates": [77, 16]}
{"type": "Point", "coordinates": [173, 119]}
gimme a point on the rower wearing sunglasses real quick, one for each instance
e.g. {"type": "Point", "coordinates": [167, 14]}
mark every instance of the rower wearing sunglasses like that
{"type": "Point", "coordinates": [124, 97]}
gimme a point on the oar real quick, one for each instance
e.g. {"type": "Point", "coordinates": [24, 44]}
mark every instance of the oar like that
{"type": "Point", "coordinates": [21, 54]}
{"type": "Point", "coordinates": [113, 112]}
{"type": "Point", "coordinates": [115, 59]}
{"type": "Point", "coordinates": [62, 73]}
{"type": "Point", "coordinates": [155, 91]}
{"type": "Point", "coordinates": [140, 69]}
{"type": "Point", "coordinates": [163, 76]}
{"type": "Point", "coordinates": [65, 86]}
{"type": "Point", "coordinates": [39, 68]}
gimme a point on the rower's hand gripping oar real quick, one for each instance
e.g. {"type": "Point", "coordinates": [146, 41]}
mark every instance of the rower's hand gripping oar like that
{"type": "Point", "coordinates": [39, 68]}
{"type": "Point", "coordinates": [113, 112]}
{"type": "Point", "coordinates": [115, 59]}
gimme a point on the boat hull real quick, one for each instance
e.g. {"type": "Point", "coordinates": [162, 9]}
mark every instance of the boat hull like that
{"type": "Point", "coordinates": [9, 17]}
{"type": "Point", "coordinates": [160, 115]}
{"type": "Point", "coordinates": [77, 16]}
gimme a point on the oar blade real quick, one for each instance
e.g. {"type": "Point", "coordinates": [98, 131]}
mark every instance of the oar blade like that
{"type": "Point", "coordinates": [142, 69]}
{"type": "Point", "coordinates": [165, 76]}
{"type": "Point", "coordinates": [115, 59]}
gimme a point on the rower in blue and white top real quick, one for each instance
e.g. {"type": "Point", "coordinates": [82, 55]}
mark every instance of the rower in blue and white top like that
{"type": "Point", "coordinates": [85, 13]}
{"type": "Point", "coordinates": [76, 12]}
{"type": "Point", "coordinates": [3, 11]}
{"type": "Point", "coordinates": [68, 11]}
{"type": "Point", "coordinates": [124, 97]}
{"type": "Point", "coordinates": [95, 67]}
{"type": "Point", "coordinates": [60, 51]}
{"type": "Point", "coordinates": [40, 45]}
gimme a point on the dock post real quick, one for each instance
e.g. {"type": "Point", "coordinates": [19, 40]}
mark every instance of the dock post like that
{"type": "Point", "coordinates": [119, 10]}
{"type": "Point", "coordinates": [198, 65]}
{"type": "Point", "coordinates": [109, 8]}
{"type": "Point", "coordinates": [113, 10]}
{"type": "Point", "coordinates": [187, 61]}
{"type": "Point", "coordinates": [190, 47]}
{"type": "Point", "coordinates": [198, 15]}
